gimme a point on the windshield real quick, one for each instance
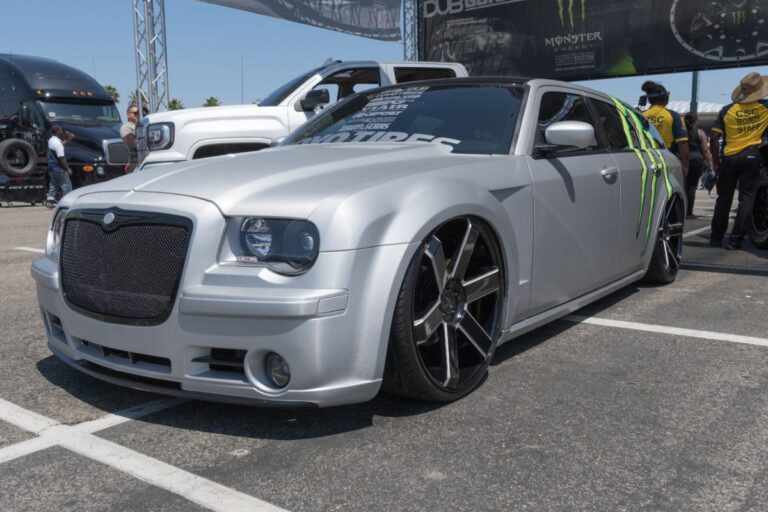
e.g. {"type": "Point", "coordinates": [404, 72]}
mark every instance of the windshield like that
{"type": "Point", "coordinates": [82, 113]}
{"type": "Point", "coordinates": [476, 119]}
{"type": "Point", "coordinates": [279, 94]}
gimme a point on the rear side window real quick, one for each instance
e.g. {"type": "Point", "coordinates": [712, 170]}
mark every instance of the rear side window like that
{"type": "Point", "coordinates": [403, 75]}
{"type": "Point", "coordinates": [609, 120]}
{"type": "Point", "coordinates": [560, 106]}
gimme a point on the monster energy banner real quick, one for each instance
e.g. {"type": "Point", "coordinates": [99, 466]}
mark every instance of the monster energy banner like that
{"type": "Point", "coordinates": [578, 39]}
{"type": "Point", "coordinates": [377, 19]}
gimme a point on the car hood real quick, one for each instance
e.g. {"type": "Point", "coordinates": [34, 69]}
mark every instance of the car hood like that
{"type": "Point", "coordinates": [288, 181]}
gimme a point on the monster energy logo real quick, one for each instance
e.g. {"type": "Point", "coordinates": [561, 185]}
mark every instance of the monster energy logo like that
{"type": "Point", "coordinates": [571, 8]}
{"type": "Point", "coordinates": [739, 17]}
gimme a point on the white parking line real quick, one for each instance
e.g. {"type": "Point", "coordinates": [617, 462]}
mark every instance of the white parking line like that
{"type": "Point", "coordinates": [79, 439]}
{"type": "Point", "coordinates": [30, 249]}
{"type": "Point", "coordinates": [663, 329]}
{"type": "Point", "coordinates": [695, 232]}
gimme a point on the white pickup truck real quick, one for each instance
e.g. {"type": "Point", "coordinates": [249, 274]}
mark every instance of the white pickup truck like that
{"type": "Point", "coordinates": [189, 134]}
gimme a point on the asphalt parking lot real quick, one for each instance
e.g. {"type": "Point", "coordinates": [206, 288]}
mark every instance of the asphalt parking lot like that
{"type": "Point", "coordinates": [654, 398]}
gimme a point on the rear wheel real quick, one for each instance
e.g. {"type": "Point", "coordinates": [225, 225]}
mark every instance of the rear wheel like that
{"type": "Point", "coordinates": [447, 318]}
{"type": "Point", "coordinates": [758, 227]}
{"type": "Point", "coordinates": [668, 249]}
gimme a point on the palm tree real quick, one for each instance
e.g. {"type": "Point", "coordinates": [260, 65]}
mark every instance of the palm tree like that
{"type": "Point", "coordinates": [175, 104]}
{"type": "Point", "coordinates": [212, 101]}
{"type": "Point", "coordinates": [112, 92]}
{"type": "Point", "coordinates": [134, 95]}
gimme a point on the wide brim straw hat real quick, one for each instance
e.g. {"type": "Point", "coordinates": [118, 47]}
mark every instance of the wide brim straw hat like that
{"type": "Point", "coordinates": [753, 87]}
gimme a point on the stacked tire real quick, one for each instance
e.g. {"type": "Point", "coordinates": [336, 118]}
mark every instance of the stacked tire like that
{"type": "Point", "coordinates": [17, 158]}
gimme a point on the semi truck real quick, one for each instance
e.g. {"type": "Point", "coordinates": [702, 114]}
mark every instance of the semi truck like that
{"type": "Point", "coordinates": [35, 94]}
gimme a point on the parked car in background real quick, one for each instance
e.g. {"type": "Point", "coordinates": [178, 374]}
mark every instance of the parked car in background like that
{"type": "Point", "coordinates": [35, 93]}
{"type": "Point", "coordinates": [203, 132]}
{"type": "Point", "coordinates": [391, 242]}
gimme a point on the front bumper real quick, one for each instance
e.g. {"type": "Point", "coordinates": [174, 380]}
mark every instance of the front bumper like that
{"type": "Point", "coordinates": [331, 324]}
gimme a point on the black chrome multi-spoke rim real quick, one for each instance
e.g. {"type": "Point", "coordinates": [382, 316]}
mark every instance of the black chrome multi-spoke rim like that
{"type": "Point", "coordinates": [671, 235]}
{"type": "Point", "coordinates": [456, 305]}
{"type": "Point", "coordinates": [760, 211]}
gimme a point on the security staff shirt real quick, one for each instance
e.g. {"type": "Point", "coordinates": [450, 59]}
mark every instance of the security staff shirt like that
{"type": "Point", "coordinates": [668, 124]}
{"type": "Point", "coordinates": [742, 125]}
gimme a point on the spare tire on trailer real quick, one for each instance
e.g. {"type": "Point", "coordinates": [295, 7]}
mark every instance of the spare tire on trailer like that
{"type": "Point", "coordinates": [758, 226]}
{"type": "Point", "coordinates": [10, 152]}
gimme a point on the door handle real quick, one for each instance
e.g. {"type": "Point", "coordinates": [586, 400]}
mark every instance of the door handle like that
{"type": "Point", "coordinates": [609, 173]}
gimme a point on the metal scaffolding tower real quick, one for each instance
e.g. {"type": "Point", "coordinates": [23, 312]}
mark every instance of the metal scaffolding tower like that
{"type": "Point", "coordinates": [410, 29]}
{"type": "Point", "coordinates": [151, 55]}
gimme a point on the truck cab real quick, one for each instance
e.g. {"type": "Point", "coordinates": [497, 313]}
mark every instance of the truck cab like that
{"type": "Point", "coordinates": [189, 134]}
{"type": "Point", "coordinates": [36, 93]}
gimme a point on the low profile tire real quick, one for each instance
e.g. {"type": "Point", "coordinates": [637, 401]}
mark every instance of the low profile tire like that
{"type": "Point", "coordinates": [17, 157]}
{"type": "Point", "coordinates": [668, 247]}
{"type": "Point", "coordinates": [758, 226]}
{"type": "Point", "coordinates": [447, 318]}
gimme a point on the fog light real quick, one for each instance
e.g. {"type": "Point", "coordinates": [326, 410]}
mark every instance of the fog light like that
{"type": "Point", "coordinates": [100, 171]}
{"type": "Point", "coordinates": [277, 370]}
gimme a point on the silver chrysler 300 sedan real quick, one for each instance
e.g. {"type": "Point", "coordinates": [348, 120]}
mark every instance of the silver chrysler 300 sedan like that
{"type": "Point", "coordinates": [390, 243]}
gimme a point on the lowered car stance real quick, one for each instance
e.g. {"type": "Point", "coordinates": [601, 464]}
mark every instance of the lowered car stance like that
{"type": "Point", "coordinates": [391, 243]}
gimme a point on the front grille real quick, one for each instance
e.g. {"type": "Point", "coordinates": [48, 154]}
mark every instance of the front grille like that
{"type": "Point", "coordinates": [117, 152]}
{"type": "Point", "coordinates": [125, 271]}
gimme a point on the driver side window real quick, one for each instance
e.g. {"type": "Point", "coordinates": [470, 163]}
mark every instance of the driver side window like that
{"type": "Point", "coordinates": [560, 106]}
{"type": "Point", "coordinates": [349, 81]}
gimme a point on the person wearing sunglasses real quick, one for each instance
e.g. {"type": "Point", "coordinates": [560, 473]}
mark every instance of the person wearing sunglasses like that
{"type": "Point", "coordinates": [128, 134]}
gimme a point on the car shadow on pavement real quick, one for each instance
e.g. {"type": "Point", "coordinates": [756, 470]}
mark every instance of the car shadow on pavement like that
{"type": "Point", "coordinates": [282, 423]}
{"type": "Point", "coordinates": [228, 419]}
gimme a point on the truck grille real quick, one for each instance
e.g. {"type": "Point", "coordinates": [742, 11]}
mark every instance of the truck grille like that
{"type": "Point", "coordinates": [124, 271]}
{"type": "Point", "coordinates": [117, 153]}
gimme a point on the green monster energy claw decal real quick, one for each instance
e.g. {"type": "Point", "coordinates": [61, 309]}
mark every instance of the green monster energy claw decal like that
{"type": "Point", "coordinates": [648, 146]}
{"type": "Point", "coordinates": [571, 7]}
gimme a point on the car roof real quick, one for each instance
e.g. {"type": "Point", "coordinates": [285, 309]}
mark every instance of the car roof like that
{"type": "Point", "coordinates": [533, 83]}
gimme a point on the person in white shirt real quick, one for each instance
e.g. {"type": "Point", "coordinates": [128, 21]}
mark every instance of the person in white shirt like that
{"type": "Point", "coordinates": [58, 168]}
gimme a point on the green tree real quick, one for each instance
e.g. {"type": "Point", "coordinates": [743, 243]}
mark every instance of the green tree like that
{"type": "Point", "coordinates": [112, 92]}
{"type": "Point", "coordinates": [212, 101]}
{"type": "Point", "coordinates": [175, 104]}
{"type": "Point", "coordinates": [134, 95]}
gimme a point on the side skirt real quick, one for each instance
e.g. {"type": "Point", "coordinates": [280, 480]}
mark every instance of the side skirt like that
{"type": "Point", "coordinates": [550, 315]}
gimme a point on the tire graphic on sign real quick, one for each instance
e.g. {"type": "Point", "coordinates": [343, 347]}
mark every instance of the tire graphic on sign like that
{"type": "Point", "coordinates": [721, 30]}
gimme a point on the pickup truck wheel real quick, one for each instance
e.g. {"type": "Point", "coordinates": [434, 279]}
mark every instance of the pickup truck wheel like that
{"type": "Point", "coordinates": [447, 317]}
{"type": "Point", "coordinates": [758, 227]}
{"type": "Point", "coordinates": [17, 157]}
{"type": "Point", "coordinates": [668, 248]}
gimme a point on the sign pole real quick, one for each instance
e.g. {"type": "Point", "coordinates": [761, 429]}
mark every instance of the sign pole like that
{"type": "Point", "coordinates": [695, 93]}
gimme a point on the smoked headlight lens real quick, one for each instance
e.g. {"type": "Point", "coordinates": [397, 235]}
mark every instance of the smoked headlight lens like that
{"type": "Point", "coordinates": [284, 245]}
{"type": "Point", "coordinates": [57, 228]}
{"type": "Point", "coordinates": [159, 136]}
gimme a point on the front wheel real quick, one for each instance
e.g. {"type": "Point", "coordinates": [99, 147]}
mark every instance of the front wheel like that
{"type": "Point", "coordinates": [447, 317]}
{"type": "Point", "coordinates": [668, 248]}
{"type": "Point", "coordinates": [758, 227]}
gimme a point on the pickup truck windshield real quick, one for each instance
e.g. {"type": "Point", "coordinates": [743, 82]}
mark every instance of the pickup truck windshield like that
{"type": "Point", "coordinates": [82, 113]}
{"type": "Point", "coordinates": [282, 92]}
{"type": "Point", "coordinates": [475, 119]}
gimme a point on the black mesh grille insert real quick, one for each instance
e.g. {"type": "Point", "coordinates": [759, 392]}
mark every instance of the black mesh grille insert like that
{"type": "Point", "coordinates": [126, 272]}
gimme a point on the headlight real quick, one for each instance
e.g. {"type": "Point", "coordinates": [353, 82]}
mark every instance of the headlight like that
{"type": "Point", "coordinates": [160, 136]}
{"type": "Point", "coordinates": [286, 246]}
{"type": "Point", "coordinates": [54, 233]}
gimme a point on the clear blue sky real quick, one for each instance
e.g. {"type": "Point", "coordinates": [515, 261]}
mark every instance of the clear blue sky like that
{"type": "Point", "coordinates": [206, 42]}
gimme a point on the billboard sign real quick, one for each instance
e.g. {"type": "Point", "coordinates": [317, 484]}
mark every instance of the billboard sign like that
{"type": "Point", "coordinates": [376, 19]}
{"type": "Point", "coordinates": [580, 39]}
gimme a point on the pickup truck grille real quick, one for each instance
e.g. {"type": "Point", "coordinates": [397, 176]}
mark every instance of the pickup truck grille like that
{"type": "Point", "coordinates": [124, 271]}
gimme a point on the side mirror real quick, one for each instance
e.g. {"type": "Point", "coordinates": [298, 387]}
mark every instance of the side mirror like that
{"type": "Point", "coordinates": [314, 99]}
{"type": "Point", "coordinates": [24, 116]}
{"type": "Point", "coordinates": [568, 136]}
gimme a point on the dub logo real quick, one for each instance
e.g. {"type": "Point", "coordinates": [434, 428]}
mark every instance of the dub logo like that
{"type": "Point", "coordinates": [568, 19]}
